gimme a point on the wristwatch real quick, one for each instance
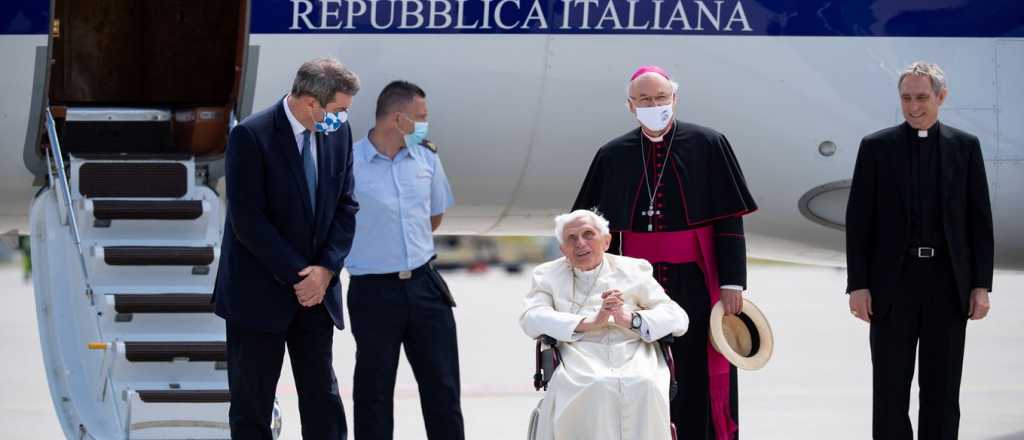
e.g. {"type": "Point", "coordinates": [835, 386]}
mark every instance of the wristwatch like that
{"type": "Point", "coordinates": [634, 324]}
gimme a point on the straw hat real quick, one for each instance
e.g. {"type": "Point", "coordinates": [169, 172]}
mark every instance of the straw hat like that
{"type": "Point", "coordinates": [745, 339]}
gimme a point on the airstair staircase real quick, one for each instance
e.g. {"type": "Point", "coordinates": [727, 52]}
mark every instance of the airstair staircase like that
{"type": "Point", "coordinates": [124, 251]}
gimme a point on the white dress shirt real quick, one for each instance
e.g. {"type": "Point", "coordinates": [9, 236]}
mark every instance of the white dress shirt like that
{"type": "Point", "coordinates": [297, 130]}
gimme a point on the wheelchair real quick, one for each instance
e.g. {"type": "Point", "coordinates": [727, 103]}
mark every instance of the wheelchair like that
{"type": "Point", "coordinates": [548, 358]}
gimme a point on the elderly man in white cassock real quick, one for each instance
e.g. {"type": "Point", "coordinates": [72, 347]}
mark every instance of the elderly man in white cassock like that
{"type": "Point", "coordinates": [607, 312]}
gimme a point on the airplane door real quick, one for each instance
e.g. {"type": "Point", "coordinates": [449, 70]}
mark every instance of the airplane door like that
{"type": "Point", "coordinates": [22, 85]}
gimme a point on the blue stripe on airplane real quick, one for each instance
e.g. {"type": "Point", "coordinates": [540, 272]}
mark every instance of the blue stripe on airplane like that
{"type": "Point", "coordinates": [849, 18]}
{"type": "Point", "coordinates": [24, 16]}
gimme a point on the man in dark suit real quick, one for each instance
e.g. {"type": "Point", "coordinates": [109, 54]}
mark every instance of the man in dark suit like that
{"type": "Point", "coordinates": [290, 223]}
{"type": "Point", "coordinates": [919, 248]}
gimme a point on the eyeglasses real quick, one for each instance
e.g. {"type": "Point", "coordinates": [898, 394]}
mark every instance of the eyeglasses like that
{"type": "Point", "coordinates": [651, 101]}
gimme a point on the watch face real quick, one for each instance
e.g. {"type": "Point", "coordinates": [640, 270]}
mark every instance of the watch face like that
{"type": "Point", "coordinates": [636, 320]}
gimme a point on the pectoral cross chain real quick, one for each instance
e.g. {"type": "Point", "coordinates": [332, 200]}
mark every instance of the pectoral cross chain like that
{"type": "Point", "coordinates": [651, 194]}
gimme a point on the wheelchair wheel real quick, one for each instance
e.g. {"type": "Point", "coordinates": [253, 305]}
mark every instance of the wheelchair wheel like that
{"type": "Point", "coordinates": [531, 433]}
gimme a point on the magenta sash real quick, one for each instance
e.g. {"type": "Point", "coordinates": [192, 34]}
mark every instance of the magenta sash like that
{"type": "Point", "coordinates": [693, 246]}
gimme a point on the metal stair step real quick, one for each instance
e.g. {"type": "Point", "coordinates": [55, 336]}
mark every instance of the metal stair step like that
{"type": "Point", "coordinates": [167, 157]}
{"type": "Point", "coordinates": [133, 179]}
{"type": "Point", "coordinates": [184, 396]}
{"type": "Point", "coordinates": [167, 351]}
{"type": "Point", "coordinates": [147, 209]}
{"type": "Point", "coordinates": [163, 303]}
{"type": "Point", "coordinates": [158, 255]}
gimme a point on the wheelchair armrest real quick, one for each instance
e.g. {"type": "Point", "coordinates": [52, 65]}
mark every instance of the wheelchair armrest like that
{"type": "Point", "coordinates": [546, 361]}
{"type": "Point", "coordinates": [665, 344]}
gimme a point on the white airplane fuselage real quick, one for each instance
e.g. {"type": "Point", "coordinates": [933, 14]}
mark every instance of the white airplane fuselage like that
{"type": "Point", "coordinates": [518, 111]}
{"type": "Point", "coordinates": [521, 94]}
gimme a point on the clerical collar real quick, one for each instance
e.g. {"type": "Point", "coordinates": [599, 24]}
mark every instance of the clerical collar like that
{"type": "Point", "coordinates": [589, 273]}
{"type": "Point", "coordinates": [672, 126]}
{"type": "Point", "coordinates": [924, 134]}
{"type": "Point", "coordinates": [655, 139]}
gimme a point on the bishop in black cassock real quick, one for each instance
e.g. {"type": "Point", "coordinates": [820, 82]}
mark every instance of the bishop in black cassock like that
{"type": "Point", "coordinates": [674, 194]}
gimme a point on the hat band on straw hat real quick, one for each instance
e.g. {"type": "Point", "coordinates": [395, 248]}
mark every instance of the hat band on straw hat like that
{"type": "Point", "coordinates": [755, 336]}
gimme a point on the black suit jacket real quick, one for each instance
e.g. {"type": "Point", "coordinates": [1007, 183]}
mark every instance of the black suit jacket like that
{"type": "Point", "coordinates": [878, 213]}
{"type": "Point", "coordinates": [271, 231]}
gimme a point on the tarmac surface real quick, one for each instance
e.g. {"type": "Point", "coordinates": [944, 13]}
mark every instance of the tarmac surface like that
{"type": "Point", "coordinates": [817, 385]}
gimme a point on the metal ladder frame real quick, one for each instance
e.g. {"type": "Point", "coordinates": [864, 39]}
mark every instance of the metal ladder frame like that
{"type": "Point", "coordinates": [55, 159]}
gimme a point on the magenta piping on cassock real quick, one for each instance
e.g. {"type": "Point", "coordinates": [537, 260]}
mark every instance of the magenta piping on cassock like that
{"type": "Point", "coordinates": [692, 246]}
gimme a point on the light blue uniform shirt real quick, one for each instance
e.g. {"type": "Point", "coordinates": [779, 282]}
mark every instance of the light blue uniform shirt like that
{"type": "Point", "coordinates": [396, 200]}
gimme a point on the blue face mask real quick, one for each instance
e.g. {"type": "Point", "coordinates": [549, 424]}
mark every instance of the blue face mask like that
{"type": "Point", "coordinates": [419, 133]}
{"type": "Point", "coordinates": [331, 122]}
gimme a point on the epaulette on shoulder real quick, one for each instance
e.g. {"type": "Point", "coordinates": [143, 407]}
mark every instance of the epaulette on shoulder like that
{"type": "Point", "coordinates": [429, 145]}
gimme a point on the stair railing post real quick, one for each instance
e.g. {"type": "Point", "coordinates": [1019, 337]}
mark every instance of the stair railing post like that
{"type": "Point", "coordinates": [65, 195]}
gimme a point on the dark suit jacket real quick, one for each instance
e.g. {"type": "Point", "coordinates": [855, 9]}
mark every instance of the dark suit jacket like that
{"type": "Point", "coordinates": [270, 232]}
{"type": "Point", "coordinates": [878, 213]}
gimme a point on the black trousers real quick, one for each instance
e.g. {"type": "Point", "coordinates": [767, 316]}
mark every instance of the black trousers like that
{"type": "Point", "coordinates": [691, 409]}
{"type": "Point", "coordinates": [926, 316]}
{"type": "Point", "coordinates": [254, 366]}
{"type": "Point", "coordinates": [386, 314]}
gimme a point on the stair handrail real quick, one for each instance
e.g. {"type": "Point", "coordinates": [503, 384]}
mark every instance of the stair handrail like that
{"type": "Point", "coordinates": [65, 195]}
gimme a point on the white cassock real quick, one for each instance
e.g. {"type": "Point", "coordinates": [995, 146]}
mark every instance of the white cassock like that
{"type": "Point", "coordinates": [612, 382]}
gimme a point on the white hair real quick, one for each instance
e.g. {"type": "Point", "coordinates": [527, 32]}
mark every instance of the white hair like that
{"type": "Point", "coordinates": [594, 218]}
{"type": "Point", "coordinates": [675, 85]}
{"type": "Point", "coordinates": [924, 68]}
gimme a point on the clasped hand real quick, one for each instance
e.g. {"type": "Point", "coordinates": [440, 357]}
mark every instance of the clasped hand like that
{"type": "Point", "coordinates": [611, 306]}
{"type": "Point", "coordinates": [311, 290]}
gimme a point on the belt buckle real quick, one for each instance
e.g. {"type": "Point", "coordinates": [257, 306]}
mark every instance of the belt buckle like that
{"type": "Point", "coordinates": [925, 252]}
{"type": "Point", "coordinates": [405, 274]}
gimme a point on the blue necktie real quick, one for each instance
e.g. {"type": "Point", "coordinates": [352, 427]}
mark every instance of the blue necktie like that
{"type": "Point", "coordinates": [310, 168]}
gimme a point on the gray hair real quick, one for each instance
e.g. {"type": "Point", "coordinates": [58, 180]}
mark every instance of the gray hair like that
{"type": "Point", "coordinates": [324, 77]}
{"type": "Point", "coordinates": [580, 214]}
{"type": "Point", "coordinates": [675, 85]}
{"type": "Point", "coordinates": [924, 68]}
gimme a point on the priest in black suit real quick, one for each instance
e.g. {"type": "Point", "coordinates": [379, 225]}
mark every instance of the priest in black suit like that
{"type": "Point", "coordinates": [919, 248]}
{"type": "Point", "coordinates": [674, 195]}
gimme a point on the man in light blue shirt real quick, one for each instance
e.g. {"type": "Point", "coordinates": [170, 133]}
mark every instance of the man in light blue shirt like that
{"type": "Point", "coordinates": [395, 297]}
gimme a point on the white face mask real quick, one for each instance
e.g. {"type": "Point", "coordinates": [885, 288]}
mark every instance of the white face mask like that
{"type": "Point", "coordinates": [655, 118]}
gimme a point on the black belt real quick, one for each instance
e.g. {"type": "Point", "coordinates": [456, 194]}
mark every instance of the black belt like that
{"type": "Point", "coordinates": [924, 252]}
{"type": "Point", "coordinates": [403, 275]}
